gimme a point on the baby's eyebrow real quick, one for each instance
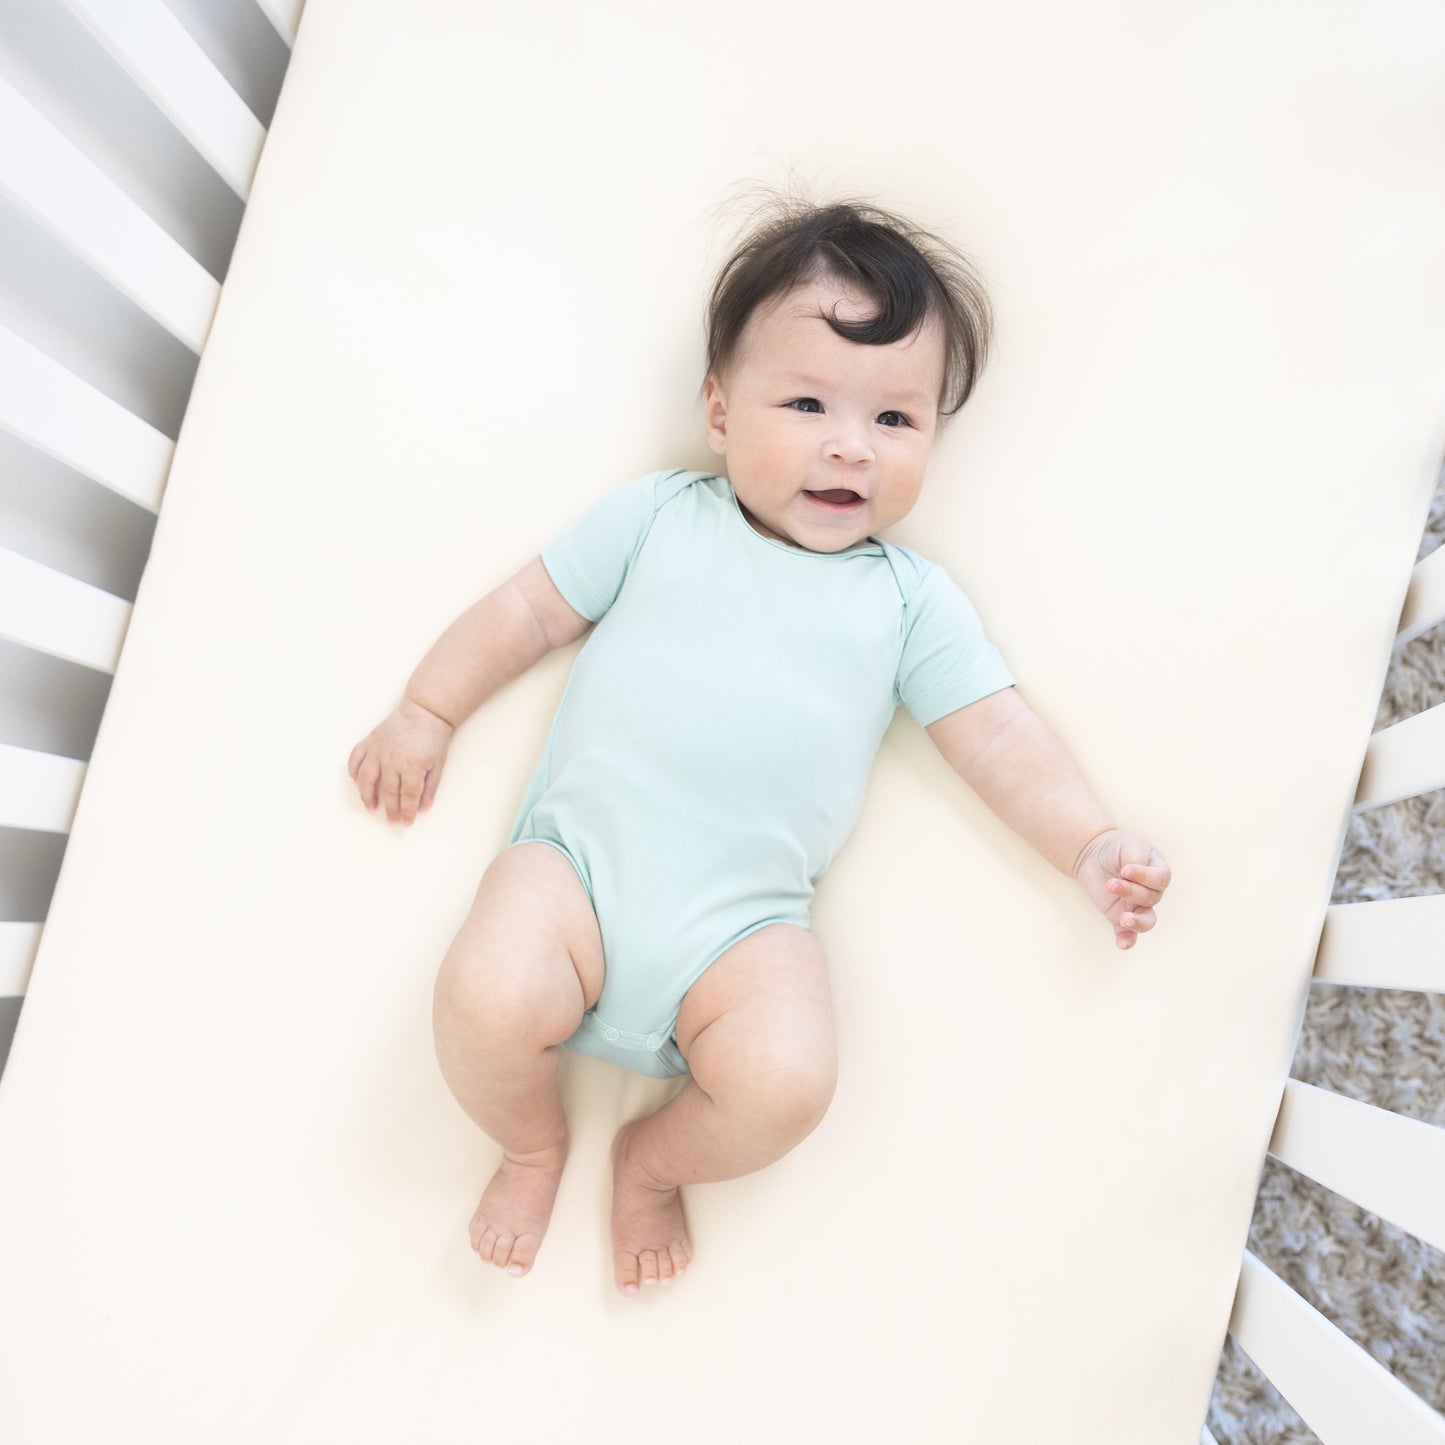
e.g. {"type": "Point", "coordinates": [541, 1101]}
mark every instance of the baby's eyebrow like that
{"type": "Point", "coordinates": [798, 379]}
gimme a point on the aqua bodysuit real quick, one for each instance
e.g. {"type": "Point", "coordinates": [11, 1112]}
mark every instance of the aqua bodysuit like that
{"type": "Point", "coordinates": [709, 756]}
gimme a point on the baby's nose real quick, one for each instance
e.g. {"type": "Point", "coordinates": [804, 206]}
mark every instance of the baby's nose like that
{"type": "Point", "coordinates": [849, 446]}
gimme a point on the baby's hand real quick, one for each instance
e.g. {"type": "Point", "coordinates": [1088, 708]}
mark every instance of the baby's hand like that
{"type": "Point", "coordinates": [401, 760]}
{"type": "Point", "coordinates": [1120, 872]}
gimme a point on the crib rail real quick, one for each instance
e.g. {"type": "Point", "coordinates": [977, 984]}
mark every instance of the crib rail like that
{"type": "Point", "coordinates": [1408, 759]}
{"type": "Point", "coordinates": [1425, 598]}
{"type": "Point", "coordinates": [51, 612]}
{"type": "Point", "coordinates": [154, 225]}
{"type": "Point", "coordinates": [1392, 943]}
{"type": "Point", "coordinates": [82, 207]}
{"type": "Point", "coordinates": [1344, 1395]}
{"type": "Point", "coordinates": [1388, 1164]}
{"type": "Point", "coordinates": [38, 791]}
{"type": "Point", "coordinates": [160, 56]}
{"type": "Point", "coordinates": [285, 15]}
{"type": "Point", "coordinates": [18, 944]}
{"type": "Point", "coordinates": [43, 403]}
{"type": "Point", "coordinates": [1405, 760]}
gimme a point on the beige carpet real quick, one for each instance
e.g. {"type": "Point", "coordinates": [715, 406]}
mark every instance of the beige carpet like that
{"type": "Point", "coordinates": [1386, 1047]}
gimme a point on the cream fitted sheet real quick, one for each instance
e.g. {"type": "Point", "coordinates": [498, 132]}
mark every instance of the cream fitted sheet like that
{"type": "Point", "coordinates": [467, 297]}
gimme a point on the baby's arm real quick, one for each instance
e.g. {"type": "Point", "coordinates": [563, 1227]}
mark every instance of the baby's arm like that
{"type": "Point", "coordinates": [1011, 758]}
{"type": "Point", "coordinates": [399, 762]}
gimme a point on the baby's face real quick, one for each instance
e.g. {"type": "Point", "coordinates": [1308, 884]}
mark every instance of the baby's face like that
{"type": "Point", "coordinates": [803, 411]}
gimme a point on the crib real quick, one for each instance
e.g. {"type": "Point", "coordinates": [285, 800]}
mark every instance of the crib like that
{"type": "Point", "coordinates": [1187, 499]}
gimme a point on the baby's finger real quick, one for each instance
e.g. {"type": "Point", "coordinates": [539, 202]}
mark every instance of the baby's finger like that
{"type": "Point", "coordinates": [1141, 920]}
{"type": "Point", "coordinates": [410, 793]}
{"type": "Point", "coordinates": [433, 777]}
{"type": "Point", "coordinates": [1133, 892]}
{"type": "Point", "coordinates": [390, 793]}
{"type": "Point", "coordinates": [367, 773]}
{"type": "Point", "coordinates": [1155, 877]}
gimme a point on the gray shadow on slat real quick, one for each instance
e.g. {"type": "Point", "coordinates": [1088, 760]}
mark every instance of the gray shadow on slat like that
{"type": "Point", "coordinates": [49, 705]}
{"type": "Point", "coordinates": [29, 868]}
{"type": "Point", "coordinates": [9, 1017]}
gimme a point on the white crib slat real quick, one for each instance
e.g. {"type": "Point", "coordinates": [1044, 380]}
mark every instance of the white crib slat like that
{"type": "Point", "coordinates": [1341, 1393]}
{"type": "Point", "coordinates": [19, 943]}
{"type": "Point", "coordinates": [1404, 760]}
{"type": "Point", "coordinates": [158, 53]}
{"type": "Point", "coordinates": [1392, 943]}
{"type": "Point", "coordinates": [60, 615]}
{"type": "Point", "coordinates": [285, 15]}
{"type": "Point", "coordinates": [67, 418]}
{"type": "Point", "coordinates": [67, 193]}
{"type": "Point", "coordinates": [1386, 1163]}
{"type": "Point", "coordinates": [38, 790]}
{"type": "Point", "coordinates": [1425, 597]}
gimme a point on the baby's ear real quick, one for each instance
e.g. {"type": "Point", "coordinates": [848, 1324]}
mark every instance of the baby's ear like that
{"type": "Point", "coordinates": [714, 413]}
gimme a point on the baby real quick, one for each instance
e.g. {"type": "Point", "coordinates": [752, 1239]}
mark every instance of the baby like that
{"type": "Point", "coordinates": [754, 636]}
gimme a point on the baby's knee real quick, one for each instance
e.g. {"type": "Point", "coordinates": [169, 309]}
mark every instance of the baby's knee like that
{"type": "Point", "coordinates": [786, 1097]}
{"type": "Point", "coordinates": [504, 1000]}
{"type": "Point", "coordinates": [806, 1093]}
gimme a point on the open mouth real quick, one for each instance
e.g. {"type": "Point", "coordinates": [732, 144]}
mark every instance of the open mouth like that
{"type": "Point", "coordinates": [837, 500]}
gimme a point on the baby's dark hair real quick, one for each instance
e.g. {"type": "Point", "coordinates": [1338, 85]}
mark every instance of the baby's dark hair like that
{"type": "Point", "coordinates": [909, 273]}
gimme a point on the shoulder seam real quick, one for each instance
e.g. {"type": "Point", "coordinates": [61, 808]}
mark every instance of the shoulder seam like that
{"type": "Point", "coordinates": [915, 566]}
{"type": "Point", "coordinates": [658, 479]}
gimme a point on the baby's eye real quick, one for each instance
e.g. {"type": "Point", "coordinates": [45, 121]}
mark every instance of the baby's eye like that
{"type": "Point", "coordinates": [902, 420]}
{"type": "Point", "coordinates": [805, 401]}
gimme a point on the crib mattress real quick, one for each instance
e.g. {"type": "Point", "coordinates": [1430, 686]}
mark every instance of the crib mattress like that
{"type": "Point", "coordinates": [1186, 498]}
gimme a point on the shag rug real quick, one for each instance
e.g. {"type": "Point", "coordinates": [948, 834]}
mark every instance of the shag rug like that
{"type": "Point", "coordinates": [1382, 1287]}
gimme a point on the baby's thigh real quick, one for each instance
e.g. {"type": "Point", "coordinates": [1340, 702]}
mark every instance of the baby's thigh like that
{"type": "Point", "coordinates": [530, 942]}
{"type": "Point", "coordinates": [763, 1008]}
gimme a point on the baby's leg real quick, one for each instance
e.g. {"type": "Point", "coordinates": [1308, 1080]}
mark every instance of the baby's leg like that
{"type": "Point", "coordinates": [515, 983]}
{"type": "Point", "coordinates": [757, 1032]}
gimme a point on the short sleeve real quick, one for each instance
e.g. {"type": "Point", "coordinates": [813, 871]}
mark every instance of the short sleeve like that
{"type": "Point", "coordinates": [947, 661]}
{"type": "Point", "coordinates": [588, 559]}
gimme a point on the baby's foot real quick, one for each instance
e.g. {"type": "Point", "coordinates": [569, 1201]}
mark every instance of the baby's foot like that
{"type": "Point", "coordinates": [649, 1235]}
{"type": "Point", "coordinates": [510, 1221]}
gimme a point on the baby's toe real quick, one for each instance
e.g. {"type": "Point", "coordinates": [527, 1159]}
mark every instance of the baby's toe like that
{"type": "Point", "coordinates": [647, 1266]}
{"type": "Point", "coordinates": [484, 1239]}
{"type": "Point", "coordinates": [625, 1267]}
{"type": "Point", "coordinates": [523, 1254]}
{"type": "Point", "coordinates": [679, 1256]}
